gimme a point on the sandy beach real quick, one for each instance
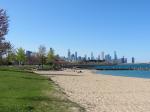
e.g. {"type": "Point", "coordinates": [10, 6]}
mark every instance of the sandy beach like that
{"type": "Point", "coordinates": [103, 93]}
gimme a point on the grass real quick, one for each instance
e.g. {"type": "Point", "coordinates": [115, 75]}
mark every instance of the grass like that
{"type": "Point", "coordinates": [25, 68]}
{"type": "Point", "coordinates": [29, 92]}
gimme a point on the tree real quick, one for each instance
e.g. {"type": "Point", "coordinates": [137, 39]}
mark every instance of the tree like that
{"type": "Point", "coordinates": [41, 54]}
{"type": "Point", "coordinates": [11, 56]}
{"type": "Point", "coordinates": [34, 59]}
{"type": "Point", "coordinates": [20, 55]}
{"type": "Point", "coordinates": [50, 56]}
{"type": "Point", "coordinates": [4, 45]}
{"type": "Point", "coordinates": [3, 23]}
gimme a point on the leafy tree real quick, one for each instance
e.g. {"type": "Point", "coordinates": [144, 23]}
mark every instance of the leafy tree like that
{"type": "Point", "coordinates": [4, 45]}
{"type": "Point", "coordinates": [50, 56]}
{"type": "Point", "coordinates": [20, 55]}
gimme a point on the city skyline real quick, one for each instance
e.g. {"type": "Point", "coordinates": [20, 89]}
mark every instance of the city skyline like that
{"type": "Point", "coordinates": [82, 25]}
{"type": "Point", "coordinates": [75, 57]}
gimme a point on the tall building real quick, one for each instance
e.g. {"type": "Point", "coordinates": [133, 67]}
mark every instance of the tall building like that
{"type": "Point", "coordinates": [79, 58]}
{"type": "Point", "coordinates": [115, 55]}
{"type": "Point", "coordinates": [133, 60]}
{"type": "Point", "coordinates": [28, 56]}
{"type": "Point", "coordinates": [76, 56]}
{"type": "Point", "coordinates": [108, 58]}
{"type": "Point", "coordinates": [85, 57]}
{"type": "Point", "coordinates": [123, 60]}
{"type": "Point", "coordinates": [69, 55]}
{"type": "Point", "coordinates": [92, 56]}
{"type": "Point", "coordinates": [28, 53]}
{"type": "Point", "coordinates": [72, 57]}
{"type": "Point", "coordinates": [99, 57]}
{"type": "Point", "coordinates": [102, 55]}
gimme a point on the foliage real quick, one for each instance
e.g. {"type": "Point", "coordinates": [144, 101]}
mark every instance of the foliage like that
{"type": "Point", "coordinates": [4, 45]}
{"type": "Point", "coordinates": [50, 56]}
{"type": "Point", "coordinates": [20, 55]}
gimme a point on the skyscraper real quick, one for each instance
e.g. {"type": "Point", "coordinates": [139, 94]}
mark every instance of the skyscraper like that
{"type": "Point", "coordinates": [72, 57]}
{"type": "Point", "coordinates": [108, 58]}
{"type": "Point", "coordinates": [92, 56]}
{"type": "Point", "coordinates": [102, 55]}
{"type": "Point", "coordinates": [99, 57]}
{"type": "Point", "coordinates": [85, 57]}
{"type": "Point", "coordinates": [133, 60]}
{"type": "Point", "coordinates": [76, 56]}
{"type": "Point", "coordinates": [123, 60]}
{"type": "Point", "coordinates": [115, 55]}
{"type": "Point", "coordinates": [69, 55]}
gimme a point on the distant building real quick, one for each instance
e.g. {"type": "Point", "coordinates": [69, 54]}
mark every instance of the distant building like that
{"type": "Point", "coordinates": [28, 53]}
{"type": "Point", "coordinates": [85, 57]}
{"type": "Point", "coordinates": [115, 55]}
{"type": "Point", "coordinates": [92, 56]}
{"type": "Point", "coordinates": [133, 60]}
{"type": "Point", "coordinates": [76, 56]}
{"type": "Point", "coordinates": [99, 57]}
{"type": "Point", "coordinates": [29, 60]}
{"type": "Point", "coordinates": [102, 55]}
{"type": "Point", "coordinates": [108, 58]}
{"type": "Point", "coordinates": [79, 58]}
{"type": "Point", "coordinates": [69, 55]}
{"type": "Point", "coordinates": [123, 60]}
{"type": "Point", "coordinates": [72, 57]}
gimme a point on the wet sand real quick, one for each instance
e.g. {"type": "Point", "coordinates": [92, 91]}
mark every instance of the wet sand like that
{"type": "Point", "coordinates": [103, 93]}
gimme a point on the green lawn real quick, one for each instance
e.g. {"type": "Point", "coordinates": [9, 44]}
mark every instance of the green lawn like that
{"type": "Point", "coordinates": [29, 92]}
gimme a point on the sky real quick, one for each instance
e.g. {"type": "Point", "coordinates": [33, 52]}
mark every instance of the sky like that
{"type": "Point", "coordinates": [84, 26]}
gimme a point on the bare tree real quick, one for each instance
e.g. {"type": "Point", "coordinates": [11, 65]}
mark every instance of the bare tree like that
{"type": "Point", "coordinates": [42, 53]}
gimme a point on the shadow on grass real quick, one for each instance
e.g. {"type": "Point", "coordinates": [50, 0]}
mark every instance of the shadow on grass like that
{"type": "Point", "coordinates": [17, 108]}
{"type": "Point", "coordinates": [42, 98]}
{"type": "Point", "coordinates": [32, 78]}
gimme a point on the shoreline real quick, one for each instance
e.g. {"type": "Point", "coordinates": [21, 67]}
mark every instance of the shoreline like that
{"type": "Point", "coordinates": [103, 93]}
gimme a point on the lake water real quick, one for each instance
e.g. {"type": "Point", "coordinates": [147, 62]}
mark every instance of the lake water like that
{"type": "Point", "coordinates": [125, 66]}
{"type": "Point", "coordinates": [126, 73]}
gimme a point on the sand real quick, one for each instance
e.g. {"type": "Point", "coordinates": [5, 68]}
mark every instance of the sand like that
{"type": "Point", "coordinates": [103, 93]}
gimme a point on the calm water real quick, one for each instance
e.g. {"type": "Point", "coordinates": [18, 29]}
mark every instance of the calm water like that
{"type": "Point", "coordinates": [126, 73]}
{"type": "Point", "coordinates": [125, 66]}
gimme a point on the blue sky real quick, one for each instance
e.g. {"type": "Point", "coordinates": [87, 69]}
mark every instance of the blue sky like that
{"type": "Point", "coordinates": [81, 25]}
